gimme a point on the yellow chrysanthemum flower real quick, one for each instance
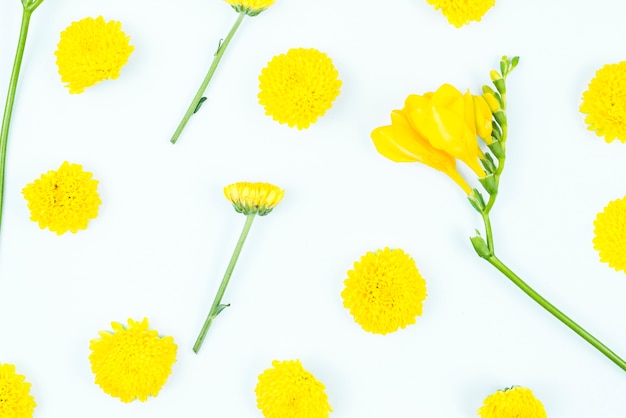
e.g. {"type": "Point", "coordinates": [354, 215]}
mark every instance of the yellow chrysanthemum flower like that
{"type": "Point", "coordinates": [298, 87]}
{"type": "Point", "coordinates": [132, 362]}
{"type": "Point", "coordinates": [512, 403]}
{"type": "Point", "coordinates": [254, 198]}
{"type": "Point", "coordinates": [610, 234]}
{"type": "Point", "coordinates": [385, 291]}
{"type": "Point", "coordinates": [91, 50]}
{"type": "Point", "coordinates": [287, 390]}
{"type": "Point", "coordinates": [250, 7]}
{"type": "Point", "coordinates": [461, 12]}
{"type": "Point", "coordinates": [604, 102]}
{"type": "Point", "coordinates": [63, 200]}
{"type": "Point", "coordinates": [15, 398]}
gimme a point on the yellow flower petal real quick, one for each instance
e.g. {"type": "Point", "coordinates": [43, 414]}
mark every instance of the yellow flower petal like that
{"type": "Point", "coordinates": [511, 403]}
{"type": "Point", "coordinates": [15, 398]}
{"type": "Point", "coordinates": [610, 234]}
{"type": "Point", "coordinates": [461, 12]}
{"type": "Point", "coordinates": [91, 50]}
{"type": "Point", "coordinates": [257, 198]}
{"type": "Point", "coordinates": [604, 102]}
{"type": "Point", "coordinates": [385, 291]}
{"type": "Point", "coordinates": [287, 390]}
{"type": "Point", "coordinates": [132, 362]}
{"type": "Point", "coordinates": [63, 200]}
{"type": "Point", "coordinates": [250, 7]}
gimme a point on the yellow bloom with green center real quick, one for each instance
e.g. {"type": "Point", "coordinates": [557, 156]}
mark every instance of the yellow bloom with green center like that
{"type": "Point", "coordinates": [604, 102]}
{"type": "Point", "coordinates": [132, 362]}
{"type": "Point", "coordinates": [610, 234]}
{"type": "Point", "coordinates": [384, 291]}
{"type": "Point", "coordinates": [461, 12]}
{"type": "Point", "coordinates": [63, 200]}
{"type": "Point", "coordinates": [254, 198]}
{"type": "Point", "coordinates": [15, 398]}
{"type": "Point", "coordinates": [511, 403]}
{"type": "Point", "coordinates": [250, 7]}
{"type": "Point", "coordinates": [287, 390]}
{"type": "Point", "coordinates": [298, 87]}
{"type": "Point", "coordinates": [90, 51]}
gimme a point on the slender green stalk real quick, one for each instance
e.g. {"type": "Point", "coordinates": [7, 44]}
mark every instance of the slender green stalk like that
{"type": "Point", "coordinates": [28, 8]}
{"type": "Point", "coordinates": [495, 261]}
{"type": "Point", "coordinates": [196, 102]}
{"type": "Point", "coordinates": [217, 306]}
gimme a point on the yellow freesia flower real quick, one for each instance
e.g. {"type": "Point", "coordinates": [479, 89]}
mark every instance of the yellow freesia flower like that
{"type": "Point", "coordinates": [447, 120]}
{"type": "Point", "coordinates": [401, 143]}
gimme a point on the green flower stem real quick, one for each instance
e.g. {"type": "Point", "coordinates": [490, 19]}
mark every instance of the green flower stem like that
{"type": "Point", "coordinates": [217, 306]}
{"type": "Point", "coordinates": [495, 261]}
{"type": "Point", "coordinates": [28, 9]}
{"type": "Point", "coordinates": [195, 103]}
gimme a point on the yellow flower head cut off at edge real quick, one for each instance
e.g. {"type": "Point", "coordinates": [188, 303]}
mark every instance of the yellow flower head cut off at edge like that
{"type": "Point", "coordinates": [610, 234]}
{"type": "Point", "coordinates": [461, 12]}
{"type": "Point", "coordinates": [250, 7]}
{"type": "Point", "coordinates": [63, 200]}
{"type": "Point", "coordinates": [287, 390]}
{"type": "Point", "coordinates": [512, 403]}
{"type": "Point", "coordinates": [132, 362]}
{"type": "Point", "coordinates": [604, 102]}
{"type": "Point", "coordinates": [15, 398]}
{"type": "Point", "coordinates": [91, 50]}
{"type": "Point", "coordinates": [254, 198]}
{"type": "Point", "coordinates": [384, 291]}
{"type": "Point", "coordinates": [298, 87]}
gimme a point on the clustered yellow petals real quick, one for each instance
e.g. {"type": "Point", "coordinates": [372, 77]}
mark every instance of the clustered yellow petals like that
{"type": "Point", "coordinates": [384, 291]}
{"type": "Point", "coordinates": [15, 398]}
{"type": "Point", "coordinates": [91, 50]}
{"type": "Point", "coordinates": [250, 7]}
{"type": "Point", "coordinates": [461, 12]}
{"type": "Point", "coordinates": [604, 102]}
{"type": "Point", "coordinates": [287, 390]}
{"type": "Point", "coordinates": [132, 362]}
{"type": "Point", "coordinates": [254, 198]}
{"type": "Point", "coordinates": [610, 234]}
{"type": "Point", "coordinates": [63, 200]}
{"type": "Point", "coordinates": [511, 403]}
{"type": "Point", "coordinates": [436, 129]}
{"type": "Point", "coordinates": [298, 87]}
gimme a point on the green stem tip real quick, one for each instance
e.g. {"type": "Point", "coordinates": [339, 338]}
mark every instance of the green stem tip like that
{"type": "Point", "coordinates": [197, 101]}
{"type": "Point", "coordinates": [217, 306]}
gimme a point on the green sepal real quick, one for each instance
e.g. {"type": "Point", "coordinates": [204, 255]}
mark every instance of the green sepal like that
{"type": "Point", "coordinates": [496, 131]}
{"type": "Point", "coordinates": [490, 184]}
{"type": "Point", "coordinates": [500, 117]}
{"type": "Point", "coordinates": [488, 164]}
{"type": "Point", "coordinates": [480, 246]}
{"type": "Point", "coordinates": [476, 200]}
{"type": "Point", "coordinates": [250, 12]}
{"type": "Point", "coordinates": [497, 149]}
{"type": "Point", "coordinates": [500, 85]}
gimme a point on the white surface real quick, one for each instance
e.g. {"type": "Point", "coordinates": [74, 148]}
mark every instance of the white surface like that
{"type": "Point", "coordinates": [165, 232]}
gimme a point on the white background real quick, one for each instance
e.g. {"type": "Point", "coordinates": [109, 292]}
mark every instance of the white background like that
{"type": "Point", "coordinates": [165, 232]}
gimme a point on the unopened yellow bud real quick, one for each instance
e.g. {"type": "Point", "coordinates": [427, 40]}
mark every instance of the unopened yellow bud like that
{"type": "Point", "coordinates": [492, 102]}
{"type": "Point", "coordinates": [494, 75]}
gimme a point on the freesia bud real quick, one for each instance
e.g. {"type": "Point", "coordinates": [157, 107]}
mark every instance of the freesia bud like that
{"type": "Point", "coordinates": [492, 102]}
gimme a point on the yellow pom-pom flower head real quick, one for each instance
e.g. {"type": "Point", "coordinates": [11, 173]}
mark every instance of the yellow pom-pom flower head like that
{"type": "Point", "coordinates": [384, 291]}
{"type": "Point", "coordinates": [250, 7]}
{"type": "Point", "coordinates": [254, 198]}
{"type": "Point", "coordinates": [512, 403]}
{"type": "Point", "coordinates": [610, 234]}
{"type": "Point", "coordinates": [604, 102]}
{"type": "Point", "coordinates": [287, 390]}
{"type": "Point", "coordinates": [132, 362]}
{"type": "Point", "coordinates": [90, 51]}
{"type": "Point", "coordinates": [298, 87]}
{"type": "Point", "coordinates": [461, 12]}
{"type": "Point", "coordinates": [15, 398]}
{"type": "Point", "coordinates": [63, 200]}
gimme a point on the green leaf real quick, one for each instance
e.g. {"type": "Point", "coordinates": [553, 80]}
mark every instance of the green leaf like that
{"type": "Point", "coordinates": [219, 309]}
{"type": "Point", "coordinates": [199, 105]}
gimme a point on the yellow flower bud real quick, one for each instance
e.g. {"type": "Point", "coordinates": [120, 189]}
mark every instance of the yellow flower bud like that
{"type": "Point", "coordinates": [483, 119]}
{"type": "Point", "coordinates": [494, 75]}
{"type": "Point", "coordinates": [492, 102]}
